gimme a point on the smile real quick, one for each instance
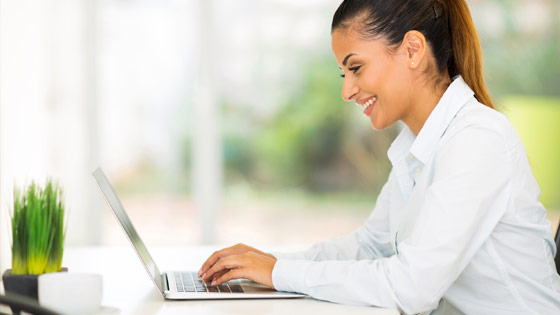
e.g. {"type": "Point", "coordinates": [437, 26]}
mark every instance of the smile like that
{"type": "Point", "coordinates": [367, 105]}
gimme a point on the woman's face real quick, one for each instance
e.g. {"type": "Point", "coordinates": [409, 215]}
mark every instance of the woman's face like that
{"type": "Point", "coordinates": [377, 80]}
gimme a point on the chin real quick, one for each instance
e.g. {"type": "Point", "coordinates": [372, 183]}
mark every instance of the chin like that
{"type": "Point", "coordinates": [379, 125]}
{"type": "Point", "coordinates": [375, 128]}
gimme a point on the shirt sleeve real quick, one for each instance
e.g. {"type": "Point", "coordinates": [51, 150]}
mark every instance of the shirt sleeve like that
{"type": "Point", "coordinates": [468, 196]}
{"type": "Point", "coordinates": [371, 240]}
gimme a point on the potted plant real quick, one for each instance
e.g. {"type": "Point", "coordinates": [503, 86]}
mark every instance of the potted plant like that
{"type": "Point", "coordinates": [38, 231]}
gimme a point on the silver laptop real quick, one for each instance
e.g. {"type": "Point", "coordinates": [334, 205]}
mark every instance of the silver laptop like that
{"type": "Point", "coordinates": [184, 285]}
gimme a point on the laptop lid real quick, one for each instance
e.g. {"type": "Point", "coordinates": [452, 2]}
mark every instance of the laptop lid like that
{"type": "Point", "coordinates": [130, 231]}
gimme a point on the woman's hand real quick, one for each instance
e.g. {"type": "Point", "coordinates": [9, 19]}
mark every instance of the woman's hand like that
{"type": "Point", "coordinates": [238, 261]}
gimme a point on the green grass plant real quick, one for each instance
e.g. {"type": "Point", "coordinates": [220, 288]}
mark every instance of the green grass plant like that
{"type": "Point", "coordinates": [38, 229]}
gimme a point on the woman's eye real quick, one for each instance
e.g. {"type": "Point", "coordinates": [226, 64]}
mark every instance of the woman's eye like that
{"type": "Point", "coordinates": [354, 69]}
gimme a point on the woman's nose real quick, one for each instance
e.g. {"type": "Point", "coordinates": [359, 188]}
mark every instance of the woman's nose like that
{"type": "Point", "coordinates": [349, 89]}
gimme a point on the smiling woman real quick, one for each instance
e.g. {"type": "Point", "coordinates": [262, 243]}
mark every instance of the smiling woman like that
{"type": "Point", "coordinates": [374, 78]}
{"type": "Point", "coordinates": [458, 227]}
{"type": "Point", "coordinates": [373, 60]}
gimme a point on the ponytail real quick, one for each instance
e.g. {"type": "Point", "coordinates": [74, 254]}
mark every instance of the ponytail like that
{"type": "Point", "coordinates": [446, 24]}
{"type": "Point", "coordinates": [467, 54]}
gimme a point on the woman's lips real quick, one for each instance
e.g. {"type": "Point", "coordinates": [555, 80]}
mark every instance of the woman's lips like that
{"type": "Point", "coordinates": [369, 109]}
{"type": "Point", "coordinates": [368, 104]}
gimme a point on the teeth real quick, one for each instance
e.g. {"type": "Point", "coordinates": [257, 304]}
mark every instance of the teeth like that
{"type": "Point", "coordinates": [371, 100]}
{"type": "Point", "coordinates": [368, 103]}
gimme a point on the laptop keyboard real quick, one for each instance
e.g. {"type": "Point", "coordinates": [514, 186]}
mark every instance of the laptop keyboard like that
{"type": "Point", "coordinates": [191, 282]}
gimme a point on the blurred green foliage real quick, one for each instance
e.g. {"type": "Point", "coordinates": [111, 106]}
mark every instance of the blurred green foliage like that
{"type": "Point", "coordinates": [307, 144]}
{"type": "Point", "coordinates": [523, 60]}
{"type": "Point", "coordinates": [537, 120]}
{"type": "Point", "coordinates": [304, 138]}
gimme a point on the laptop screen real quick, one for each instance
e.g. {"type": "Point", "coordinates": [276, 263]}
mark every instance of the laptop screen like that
{"type": "Point", "coordinates": [122, 217]}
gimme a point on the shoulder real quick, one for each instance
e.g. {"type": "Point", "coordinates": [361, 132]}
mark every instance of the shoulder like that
{"type": "Point", "coordinates": [478, 135]}
{"type": "Point", "coordinates": [480, 123]}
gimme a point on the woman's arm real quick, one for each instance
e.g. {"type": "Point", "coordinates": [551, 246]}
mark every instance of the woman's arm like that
{"type": "Point", "coordinates": [468, 196]}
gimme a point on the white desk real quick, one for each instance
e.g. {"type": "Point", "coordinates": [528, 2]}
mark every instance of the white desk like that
{"type": "Point", "coordinates": [127, 285]}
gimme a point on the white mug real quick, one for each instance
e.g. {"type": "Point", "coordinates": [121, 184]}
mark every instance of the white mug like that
{"type": "Point", "coordinates": [70, 293]}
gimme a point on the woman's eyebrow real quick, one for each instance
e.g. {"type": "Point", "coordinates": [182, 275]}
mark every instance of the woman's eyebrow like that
{"type": "Point", "coordinates": [346, 59]}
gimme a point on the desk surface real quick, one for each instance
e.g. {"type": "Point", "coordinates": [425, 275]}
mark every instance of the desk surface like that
{"type": "Point", "coordinates": [126, 285]}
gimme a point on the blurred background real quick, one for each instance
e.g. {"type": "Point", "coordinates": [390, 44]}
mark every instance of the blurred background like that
{"type": "Point", "coordinates": [221, 121]}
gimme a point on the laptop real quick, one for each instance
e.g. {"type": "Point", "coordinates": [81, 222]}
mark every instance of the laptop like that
{"type": "Point", "coordinates": [182, 285]}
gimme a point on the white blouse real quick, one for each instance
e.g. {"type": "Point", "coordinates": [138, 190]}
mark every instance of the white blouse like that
{"type": "Point", "coordinates": [457, 228]}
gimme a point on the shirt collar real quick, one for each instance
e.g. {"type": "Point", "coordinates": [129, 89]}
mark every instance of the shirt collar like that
{"type": "Point", "coordinates": [423, 145]}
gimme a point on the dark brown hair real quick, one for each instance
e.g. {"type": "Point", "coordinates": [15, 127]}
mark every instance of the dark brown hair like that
{"type": "Point", "coordinates": [446, 24]}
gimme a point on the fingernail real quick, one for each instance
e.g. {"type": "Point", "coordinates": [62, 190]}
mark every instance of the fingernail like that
{"type": "Point", "coordinates": [213, 282]}
{"type": "Point", "coordinates": [204, 275]}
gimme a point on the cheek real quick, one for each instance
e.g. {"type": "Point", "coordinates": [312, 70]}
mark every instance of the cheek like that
{"type": "Point", "coordinates": [390, 108]}
{"type": "Point", "coordinates": [392, 92]}
{"type": "Point", "coordinates": [387, 83]}
{"type": "Point", "coordinates": [381, 79]}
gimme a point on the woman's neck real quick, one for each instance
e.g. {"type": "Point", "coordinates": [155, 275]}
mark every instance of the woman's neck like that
{"type": "Point", "coordinates": [423, 101]}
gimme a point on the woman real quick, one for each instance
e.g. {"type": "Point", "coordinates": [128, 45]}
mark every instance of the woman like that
{"type": "Point", "coordinates": [458, 227]}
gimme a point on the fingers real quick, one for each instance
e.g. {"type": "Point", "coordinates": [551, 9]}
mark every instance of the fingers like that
{"type": "Point", "coordinates": [223, 264]}
{"type": "Point", "coordinates": [229, 275]}
{"type": "Point", "coordinates": [249, 265]}
{"type": "Point", "coordinates": [234, 257]}
{"type": "Point", "coordinates": [212, 260]}
{"type": "Point", "coordinates": [232, 250]}
{"type": "Point", "coordinates": [218, 274]}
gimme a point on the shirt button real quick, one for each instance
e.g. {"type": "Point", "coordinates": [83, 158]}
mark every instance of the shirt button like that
{"type": "Point", "coordinates": [410, 156]}
{"type": "Point", "coordinates": [418, 169]}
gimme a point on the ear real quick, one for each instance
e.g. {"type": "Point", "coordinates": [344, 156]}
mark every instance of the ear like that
{"type": "Point", "coordinates": [414, 44]}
